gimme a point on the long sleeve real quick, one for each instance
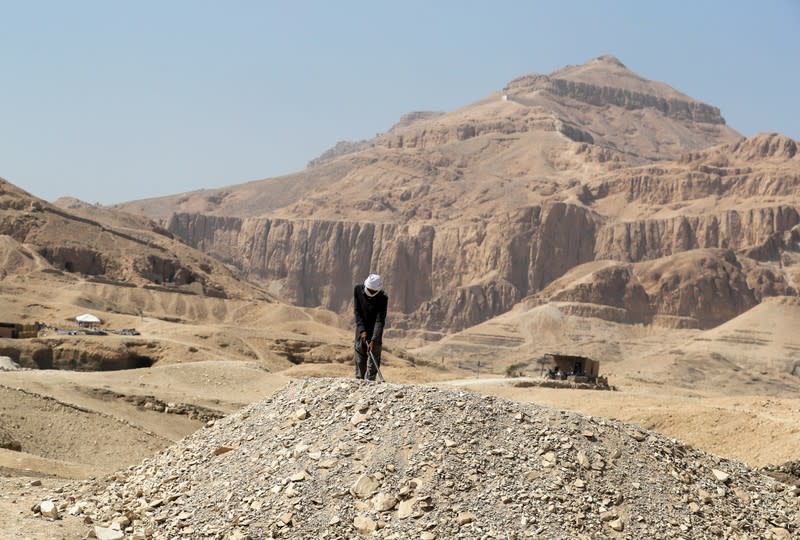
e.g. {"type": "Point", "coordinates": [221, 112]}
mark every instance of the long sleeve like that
{"type": "Point", "coordinates": [357, 313]}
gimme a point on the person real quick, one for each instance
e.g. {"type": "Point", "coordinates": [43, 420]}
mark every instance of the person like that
{"type": "Point", "coordinates": [369, 307]}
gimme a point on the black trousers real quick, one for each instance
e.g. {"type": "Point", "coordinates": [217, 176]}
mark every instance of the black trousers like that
{"type": "Point", "coordinates": [364, 368]}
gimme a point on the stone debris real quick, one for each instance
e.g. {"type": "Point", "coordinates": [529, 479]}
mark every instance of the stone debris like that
{"type": "Point", "coordinates": [365, 487]}
{"type": "Point", "coordinates": [721, 476]}
{"type": "Point", "coordinates": [425, 462]}
{"type": "Point", "coordinates": [465, 517]}
{"type": "Point", "coordinates": [107, 533]}
{"type": "Point", "coordinates": [48, 509]}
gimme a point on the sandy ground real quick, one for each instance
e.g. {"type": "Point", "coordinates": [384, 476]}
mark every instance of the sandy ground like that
{"type": "Point", "coordinates": [750, 428]}
{"type": "Point", "coordinates": [70, 431]}
{"type": "Point", "coordinates": [17, 496]}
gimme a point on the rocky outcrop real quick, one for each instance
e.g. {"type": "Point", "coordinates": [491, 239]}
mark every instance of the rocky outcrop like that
{"type": "Point", "coordinates": [8, 442]}
{"type": "Point", "coordinates": [432, 135]}
{"type": "Point", "coordinates": [616, 286]}
{"type": "Point", "coordinates": [341, 148]}
{"type": "Point", "coordinates": [764, 146]}
{"type": "Point", "coordinates": [709, 287]}
{"type": "Point", "coordinates": [75, 259]}
{"type": "Point", "coordinates": [415, 116]}
{"type": "Point", "coordinates": [654, 238]}
{"type": "Point", "coordinates": [77, 355]}
{"type": "Point", "coordinates": [601, 96]}
{"type": "Point", "coordinates": [694, 289]}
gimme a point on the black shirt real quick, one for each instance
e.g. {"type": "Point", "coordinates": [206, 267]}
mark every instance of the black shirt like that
{"type": "Point", "coordinates": [370, 313]}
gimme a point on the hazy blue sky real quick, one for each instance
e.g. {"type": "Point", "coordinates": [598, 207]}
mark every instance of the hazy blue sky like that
{"type": "Point", "coordinates": [110, 101]}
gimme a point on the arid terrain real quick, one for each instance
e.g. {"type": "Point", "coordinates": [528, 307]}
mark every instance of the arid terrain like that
{"type": "Point", "coordinates": [586, 212]}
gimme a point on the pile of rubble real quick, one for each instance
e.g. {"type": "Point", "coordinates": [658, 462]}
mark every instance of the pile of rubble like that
{"type": "Point", "coordinates": [336, 459]}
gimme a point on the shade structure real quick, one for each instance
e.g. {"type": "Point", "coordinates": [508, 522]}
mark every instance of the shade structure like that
{"type": "Point", "coordinates": [87, 318]}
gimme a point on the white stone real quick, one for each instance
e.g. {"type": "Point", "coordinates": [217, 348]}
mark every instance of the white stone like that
{"type": "Point", "coordinates": [48, 509]}
{"type": "Point", "coordinates": [107, 533]}
{"type": "Point", "coordinates": [8, 364]}
{"type": "Point", "coordinates": [721, 476]}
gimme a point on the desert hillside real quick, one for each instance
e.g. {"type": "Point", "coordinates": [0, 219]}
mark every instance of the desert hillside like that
{"type": "Point", "coordinates": [185, 305]}
{"type": "Point", "coordinates": [588, 163]}
{"type": "Point", "coordinates": [587, 212]}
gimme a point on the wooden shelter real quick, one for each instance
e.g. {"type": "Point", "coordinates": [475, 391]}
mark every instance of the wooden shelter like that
{"type": "Point", "coordinates": [573, 368]}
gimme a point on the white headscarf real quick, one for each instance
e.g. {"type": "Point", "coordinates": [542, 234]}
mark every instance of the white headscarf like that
{"type": "Point", "coordinates": [373, 282]}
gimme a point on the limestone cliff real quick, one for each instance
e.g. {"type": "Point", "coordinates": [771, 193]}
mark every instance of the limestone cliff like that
{"type": "Point", "coordinates": [736, 229]}
{"type": "Point", "coordinates": [451, 276]}
{"type": "Point", "coordinates": [442, 277]}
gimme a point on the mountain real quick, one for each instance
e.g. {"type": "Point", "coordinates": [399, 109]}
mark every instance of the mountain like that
{"type": "Point", "coordinates": [466, 213]}
{"type": "Point", "coordinates": [511, 148]}
{"type": "Point", "coordinates": [56, 264]}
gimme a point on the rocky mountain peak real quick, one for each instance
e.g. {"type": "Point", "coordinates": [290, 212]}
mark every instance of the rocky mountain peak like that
{"type": "Point", "coordinates": [605, 81]}
{"type": "Point", "coordinates": [608, 60]}
{"type": "Point", "coordinates": [71, 203]}
{"type": "Point", "coordinates": [766, 146]}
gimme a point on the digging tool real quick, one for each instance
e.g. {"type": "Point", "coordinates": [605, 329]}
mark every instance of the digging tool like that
{"type": "Point", "coordinates": [375, 365]}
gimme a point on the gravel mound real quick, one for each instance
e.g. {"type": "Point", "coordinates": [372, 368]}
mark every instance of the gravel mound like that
{"type": "Point", "coordinates": [336, 459]}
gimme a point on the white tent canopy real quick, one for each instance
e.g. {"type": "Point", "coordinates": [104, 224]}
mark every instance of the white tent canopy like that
{"type": "Point", "coordinates": [87, 318]}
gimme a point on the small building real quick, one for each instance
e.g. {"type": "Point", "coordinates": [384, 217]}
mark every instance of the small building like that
{"type": "Point", "coordinates": [573, 368]}
{"type": "Point", "coordinates": [18, 331]}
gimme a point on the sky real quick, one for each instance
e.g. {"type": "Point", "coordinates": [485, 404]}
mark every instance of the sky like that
{"type": "Point", "coordinates": [117, 101]}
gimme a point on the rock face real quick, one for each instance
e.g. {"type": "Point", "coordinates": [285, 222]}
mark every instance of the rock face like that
{"type": "Point", "coordinates": [694, 289]}
{"type": "Point", "coordinates": [599, 96]}
{"type": "Point", "coordinates": [499, 262]}
{"type": "Point", "coordinates": [496, 469]}
{"type": "Point", "coordinates": [9, 442]}
{"type": "Point", "coordinates": [317, 262]}
{"type": "Point", "coordinates": [38, 237]}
